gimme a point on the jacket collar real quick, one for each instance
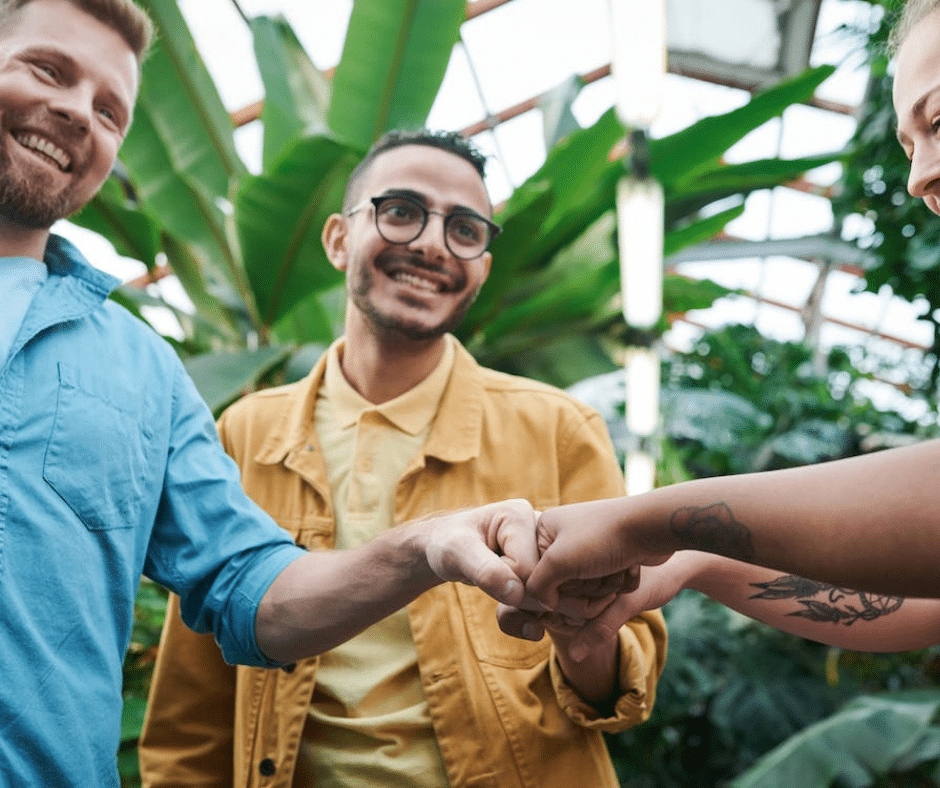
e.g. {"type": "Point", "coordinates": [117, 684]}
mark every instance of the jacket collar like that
{"type": "Point", "coordinates": [455, 435]}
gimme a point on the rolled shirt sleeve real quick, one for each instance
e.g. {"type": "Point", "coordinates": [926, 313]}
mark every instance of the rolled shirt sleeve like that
{"type": "Point", "coordinates": [211, 544]}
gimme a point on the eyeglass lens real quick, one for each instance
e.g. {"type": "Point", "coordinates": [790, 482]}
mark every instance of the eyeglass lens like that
{"type": "Point", "coordinates": [400, 221]}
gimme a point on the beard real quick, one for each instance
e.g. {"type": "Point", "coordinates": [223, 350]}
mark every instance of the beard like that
{"type": "Point", "coordinates": [398, 325]}
{"type": "Point", "coordinates": [31, 199]}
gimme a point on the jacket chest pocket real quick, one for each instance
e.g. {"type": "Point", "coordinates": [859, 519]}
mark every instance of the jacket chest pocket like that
{"type": "Point", "coordinates": [490, 643]}
{"type": "Point", "coordinates": [96, 459]}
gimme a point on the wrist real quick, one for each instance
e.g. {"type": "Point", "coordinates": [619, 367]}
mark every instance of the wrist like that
{"type": "Point", "coordinates": [413, 548]}
{"type": "Point", "coordinates": [644, 525]}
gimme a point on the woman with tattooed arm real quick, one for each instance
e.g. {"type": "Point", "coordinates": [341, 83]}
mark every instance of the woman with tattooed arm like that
{"type": "Point", "coordinates": [870, 523]}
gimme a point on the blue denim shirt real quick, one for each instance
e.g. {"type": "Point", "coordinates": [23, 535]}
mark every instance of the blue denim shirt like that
{"type": "Point", "coordinates": [110, 467]}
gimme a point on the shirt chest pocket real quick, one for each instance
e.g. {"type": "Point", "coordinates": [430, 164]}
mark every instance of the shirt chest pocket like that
{"type": "Point", "coordinates": [96, 456]}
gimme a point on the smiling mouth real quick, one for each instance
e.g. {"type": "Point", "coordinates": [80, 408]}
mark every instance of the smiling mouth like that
{"type": "Point", "coordinates": [48, 150]}
{"type": "Point", "coordinates": [417, 281]}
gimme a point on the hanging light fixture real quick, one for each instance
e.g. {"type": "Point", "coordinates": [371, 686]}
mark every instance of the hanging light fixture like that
{"type": "Point", "coordinates": [639, 67]}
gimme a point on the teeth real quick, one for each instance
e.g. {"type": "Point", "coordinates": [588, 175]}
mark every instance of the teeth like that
{"type": "Point", "coordinates": [416, 281]}
{"type": "Point", "coordinates": [58, 155]}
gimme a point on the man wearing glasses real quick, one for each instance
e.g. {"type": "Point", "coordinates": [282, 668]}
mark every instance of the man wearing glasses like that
{"type": "Point", "coordinates": [395, 422]}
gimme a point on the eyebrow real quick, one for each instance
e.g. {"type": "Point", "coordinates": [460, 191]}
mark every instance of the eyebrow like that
{"type": "Point", "coordinates": [915, 110]}
{"type": "Point", "coordinates": [418, 197]}
{"type": "Point", "coordinates": [65, 61]}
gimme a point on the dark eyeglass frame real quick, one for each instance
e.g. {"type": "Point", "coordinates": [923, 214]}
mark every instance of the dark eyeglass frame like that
{"type": "Point", "coordinates": [492, 228]}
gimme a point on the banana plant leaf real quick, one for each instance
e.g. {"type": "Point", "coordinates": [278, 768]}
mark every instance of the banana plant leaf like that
{"type": "Point", "coordinates": [316, 319]}
{"type": "Point", "coordinates": [279, 216]}
{"type": "Point", "coordinates": [131, 231]}
{"type": "Point", "coordinates": [393, 63]}
{"type": "Point", "coordinates": [690, 195]}
{"type": "Point", "coordinates": [699, 230]}
{"type": "Point", "coordinates": [222, 377]}
{"type": "Point", "coordinates": [577, 183]}
{"type": "Point", "coordinates": [870, 737]}
{"type": "Point", "coordinates": [296, 93]}
{"type": "Point", "coordinates": [582, 181]}
{"type": "Point", "coordinates": [512, 249]}
{"type": "Point", "coordinates": [180, 150]}
{"type": "Point", "coordinates": [583, 277]}
{"type": "Point", "coordinates": [682, 155]}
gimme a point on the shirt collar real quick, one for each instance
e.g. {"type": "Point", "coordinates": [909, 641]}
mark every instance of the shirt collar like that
{"type": "Point", "coordinates": [410, 412]}
{"type": "Point", "coordinates": [63, 259]}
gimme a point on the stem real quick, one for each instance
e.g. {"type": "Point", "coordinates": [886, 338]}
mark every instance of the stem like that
{"type": "Point", "coordinates": [242, 13]}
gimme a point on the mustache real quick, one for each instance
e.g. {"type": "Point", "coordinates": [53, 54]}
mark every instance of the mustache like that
{"type": "Point", "coordinates": [456, 279]}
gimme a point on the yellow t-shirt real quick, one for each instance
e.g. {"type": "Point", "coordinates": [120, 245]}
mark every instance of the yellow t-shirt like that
{"type": "Point", "coordinates": [368, 723]}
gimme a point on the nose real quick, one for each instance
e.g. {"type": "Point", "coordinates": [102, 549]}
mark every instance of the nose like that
{"type": "Point", "coordinates": [431, 238]}
{"type": "Point", "coordinates": [75, 105]}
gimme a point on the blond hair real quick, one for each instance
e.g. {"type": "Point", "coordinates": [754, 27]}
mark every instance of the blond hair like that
{"type": "Point", "coordinates": [124, 16]}
{"type": "Point", "coordinates": [910, 15]}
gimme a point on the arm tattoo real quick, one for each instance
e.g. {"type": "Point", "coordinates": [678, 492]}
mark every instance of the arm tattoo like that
{"type": "Point", "coordinates": [714, 530]}
{"type": "Point", "coordinates": [835, 605]}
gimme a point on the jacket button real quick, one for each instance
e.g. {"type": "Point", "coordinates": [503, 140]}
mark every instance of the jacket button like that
{"type": "Point", "coordinates": [267, 767]}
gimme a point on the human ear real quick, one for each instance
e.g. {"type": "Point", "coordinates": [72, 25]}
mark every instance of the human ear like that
{"type": "Point", "coordinates": [335, 235]}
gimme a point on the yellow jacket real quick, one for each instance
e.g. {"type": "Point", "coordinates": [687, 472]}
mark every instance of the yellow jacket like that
{"type": "Point", "coordinates": [502, 711]}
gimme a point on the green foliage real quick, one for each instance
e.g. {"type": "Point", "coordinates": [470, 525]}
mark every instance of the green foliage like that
{"type": "Point", "coordinates": [740, 402]}
{"type": "Point", "coordinates": [732, 690]}
{"type": "Point", "coordinates": [870, 736]}
{"type": "Point", "coordinates": [247, 247]}
{"type": "Point", "coordinates": [904, 240]}
{"type": "Point", "coordinates": [741, 704]}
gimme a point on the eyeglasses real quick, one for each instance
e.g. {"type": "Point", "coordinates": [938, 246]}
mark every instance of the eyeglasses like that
{"type": "Point", "coordinates": [400, 220]}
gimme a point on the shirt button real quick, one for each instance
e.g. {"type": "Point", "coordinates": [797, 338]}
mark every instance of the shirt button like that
{"type": "Point", "coordinates": [267, 767]}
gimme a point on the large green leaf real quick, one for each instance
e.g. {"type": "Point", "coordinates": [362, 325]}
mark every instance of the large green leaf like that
{"type": "Point", "coordinates": [680, 294]}
{"type": "Point", "coordinates": [867, 738]}
{"type": "Point", "coordinates": [296, 92]}
{"type": "Point", "coordinates": [512, 249]}
{"type": "Point", "coordinates": [315, 320]}
{"type": "Point", "coordinates": [180, 150]}
{"type": "Point", "coordinates": [222, 377]}
{"type": "Point", "coordinates": [208, 294]}
{"type": "Point", "coordinates": [280, 215]}
{"type": "Point", "coordinates": [699, 230]}
{"type": "Point", "coordinates": [582, 182]}
{"type": "Point", "coordinates": [684, 153]}
{"type": "Point", "coordinates": [130, 230]}
{"type": "Point", "coordinates": [581, 280]}
{"type": "Point", "coordinates": [393, 62]}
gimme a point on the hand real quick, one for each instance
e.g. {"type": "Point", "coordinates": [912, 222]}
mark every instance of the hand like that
{"type": "Point", "coordinates": [587, 541]}
{"type": "Point", "coordinates": [579, 601]}
{"type": "Point", "coordinates": [658, 585]}
{"type": "Point", "coordinates": [492, 547]}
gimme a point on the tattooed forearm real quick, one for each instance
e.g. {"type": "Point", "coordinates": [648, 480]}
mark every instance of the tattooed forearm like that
{"type": "Point", "coordinates": [714, 530]}
{"type": "Point", "coordinates": [823, 602]}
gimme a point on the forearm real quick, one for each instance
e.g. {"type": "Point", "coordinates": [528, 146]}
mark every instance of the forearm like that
{"type": "Point", "coordinates": [328, 596]}
{"type": "Point", "coordinates": [869, 522]}
{"type": "Point", "coordinates": [595, 678]}
{"type": "Point", "coordinates": [812, 609]}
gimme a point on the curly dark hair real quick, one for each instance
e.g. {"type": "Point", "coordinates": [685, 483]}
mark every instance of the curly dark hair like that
{"type": "Point", "coordinates": [449, 141]}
